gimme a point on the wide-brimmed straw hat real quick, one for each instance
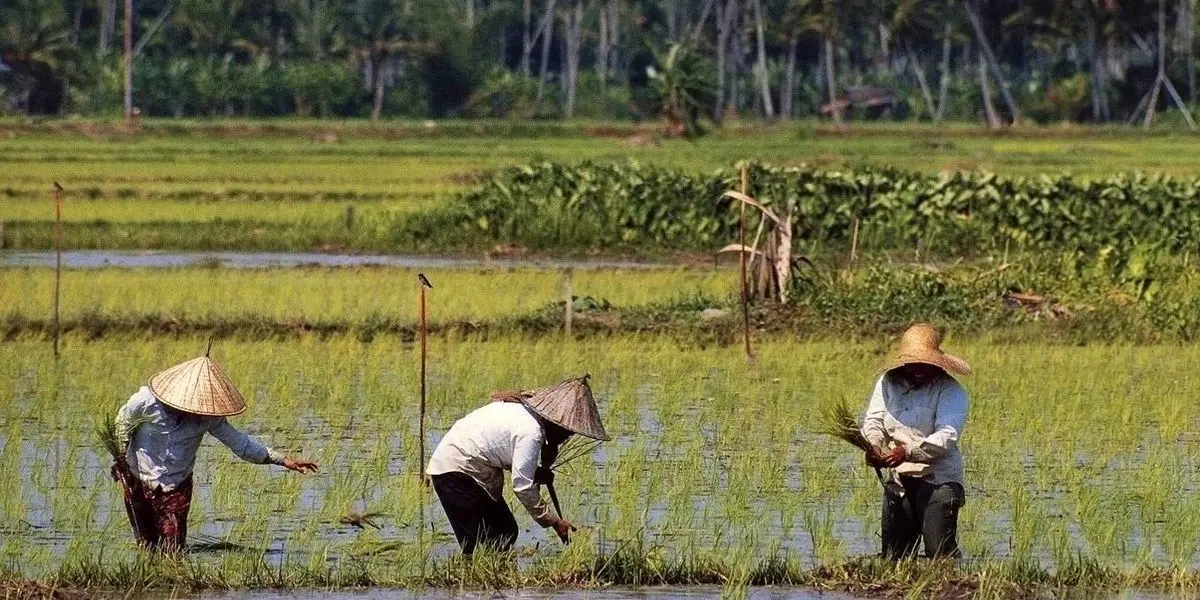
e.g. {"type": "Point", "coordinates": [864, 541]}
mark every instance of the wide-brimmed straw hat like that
{"type": "Point", "coordinates": [922, 343]}
{"type": "Point", "coordinates": [569, 405]}
{"type": "Point", "coordinates": [200, 387]}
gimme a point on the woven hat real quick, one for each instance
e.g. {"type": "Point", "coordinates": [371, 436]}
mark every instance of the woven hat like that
{"type": "Point", "coordinates": [200, 387]}
{"type": "Point", "coordinates": [922, 343]}
{"type": "Point", "coordinates": [569, 405]}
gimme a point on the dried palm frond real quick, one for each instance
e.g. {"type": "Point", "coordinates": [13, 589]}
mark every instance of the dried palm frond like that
{"type": "Point", "coordinates": [838, 420]}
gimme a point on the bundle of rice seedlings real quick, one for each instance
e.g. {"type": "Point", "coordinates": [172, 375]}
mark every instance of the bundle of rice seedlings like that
{"type": "Point", "coordinates": [838, 420]}
{"type": "Point", "coordinates": [577, 447]}
{"type": "Point", "coordinates": [110, 439]}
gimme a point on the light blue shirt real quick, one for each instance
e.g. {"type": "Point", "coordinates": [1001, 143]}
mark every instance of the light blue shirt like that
{"type": "Point", "coordinates": [162, 450]}
{"type": "Point", "coordinates": [927, 421]}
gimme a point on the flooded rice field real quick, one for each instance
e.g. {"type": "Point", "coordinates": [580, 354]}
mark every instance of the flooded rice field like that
{"type": "Point", "coordinates": [96, 259]}
{"type": "Point", "coordinates": [709, 458]}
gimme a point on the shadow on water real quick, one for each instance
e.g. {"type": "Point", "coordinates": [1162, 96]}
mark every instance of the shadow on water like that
{"type": "Point", "coordinates": [98, 259]}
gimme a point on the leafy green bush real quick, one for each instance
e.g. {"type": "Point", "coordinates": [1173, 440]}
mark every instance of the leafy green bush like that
{"type": "Point", "coordinates": [600, 206]}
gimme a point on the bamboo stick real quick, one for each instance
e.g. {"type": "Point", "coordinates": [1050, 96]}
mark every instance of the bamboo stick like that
{"type": "Point", "coordinates": [742, 262]}
{"type": "Point", "coordinates": [58, 189]}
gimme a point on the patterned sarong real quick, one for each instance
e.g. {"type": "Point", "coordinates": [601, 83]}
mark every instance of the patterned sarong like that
{"type": "Point", "coordinates": [158, 517]}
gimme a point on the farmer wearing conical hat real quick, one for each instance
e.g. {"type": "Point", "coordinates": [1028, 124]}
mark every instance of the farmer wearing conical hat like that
{"type": "Point", "coordinates": [162, 425]}
{"type": "Point", "coordinates": [914, 419]}
{"type": "Point", "coordinates": [522, 432]}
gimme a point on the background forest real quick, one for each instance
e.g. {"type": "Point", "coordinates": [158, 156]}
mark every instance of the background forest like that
{"type": "Point", "coordinates": [998, 61]}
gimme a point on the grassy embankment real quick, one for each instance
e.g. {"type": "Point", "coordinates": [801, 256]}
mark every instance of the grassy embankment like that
{"type": "Point", "coordinates": [343, 186]}
{"type": "Point", "coordinates": [714, 477]}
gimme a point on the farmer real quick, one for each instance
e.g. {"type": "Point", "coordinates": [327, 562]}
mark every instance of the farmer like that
{"type": "Point", "coordinates": [914, 419]}
{"type": "Point", "coordinates": [163, 424]}
{"type": "Point", "coordinates": [522, 432]}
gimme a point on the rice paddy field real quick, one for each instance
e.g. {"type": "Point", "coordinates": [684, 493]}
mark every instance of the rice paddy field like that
{"type": "Point", "coordinates": [1082, 459]}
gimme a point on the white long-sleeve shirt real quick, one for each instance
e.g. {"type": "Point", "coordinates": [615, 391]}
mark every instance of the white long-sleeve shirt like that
{"type": "Point", "coordinates": [927, 421]}
{"type": "Point", "coordinates": [162, 449]}
{"type": "Point", "coordinates": [502, 436]}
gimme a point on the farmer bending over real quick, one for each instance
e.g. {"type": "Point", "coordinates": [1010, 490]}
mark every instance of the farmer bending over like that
{"type": "Point", "coordinates": [914, 419]}
{"type": "Point", "coordinates": [519, 431]}
{"type": "Point", "coordinates": [163, 424]}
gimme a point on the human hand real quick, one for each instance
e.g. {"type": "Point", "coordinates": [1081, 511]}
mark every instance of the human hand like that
{"type": "Point", "coordinates": [299, 465]}
{"type": "Point", "coordinates": [894, 458]}
{"type": "Point", "coordinates": [563, 528]}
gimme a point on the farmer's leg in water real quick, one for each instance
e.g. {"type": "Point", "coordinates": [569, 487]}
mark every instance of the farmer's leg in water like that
{"type": "Point", "coordinates": [474, 516]}
{"type": "Point", "coordinates": [171, 514]}
{"type": "Point", "coordinates": [141, 517]}
{"type": "Point", "coordinates": [901, 529]}
{"type": "Point", "coordinates": [939, 528]}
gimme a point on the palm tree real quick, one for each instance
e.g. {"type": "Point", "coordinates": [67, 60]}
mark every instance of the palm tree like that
{"type": "Point", "coordinates": [380, 32]}
{"type": "Point", "coordinates": [677, 78]}
{"type": "Point", "coordinates": [37, 46]}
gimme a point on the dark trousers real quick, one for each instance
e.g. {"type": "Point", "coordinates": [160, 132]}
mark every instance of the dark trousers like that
{"type": "Point", "coordinates": [476, 518]}
{"type": "Point", "coordinates": [923, 513]}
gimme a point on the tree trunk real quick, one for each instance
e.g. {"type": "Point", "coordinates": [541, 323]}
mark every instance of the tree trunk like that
{"type": "Point", "coordinates": [77, 22]}
{"type": "Point", "coordinates": [1097, 71]}
{"type": "Point", "coordinates": [945, 74]}
{"type": "Point", "coordinates": [787, 94]}
{"type": "Point", "coordinates": [128, 61]}
{"type": "Point", "coordinates": [526, 36]}
{"type": "Point", "coordinates": [377, 96]}
{"type": "Point", "coordinates": [831, 81]}
{"type": "Point", "coordinates": [1189, 49]}
{"type": "Point", "coordinates": [990, 58]}
{"type": "Point", "coordinates": [602, 47]}
{"type": "Point", "coordinates": [614, 37]}
{"type": "Point", "coordinates": [722, 45]}
{"type": "Point", "coordinates": [989, 110]}
{"type": "Point", "coordinates": [572, 30]}
{"type": "Point", "coordinates": [108, 26]}
{"type": "Point", "coordinates": [548, 27]}
{"type": "Point", "coordinates": [471, 13]}
{"type": "Point", "coordinates": [672, 15]}
{"type": "Point", "coordinates": [926, 93]}
{"type": "Point", "coordinates": [763, 76]}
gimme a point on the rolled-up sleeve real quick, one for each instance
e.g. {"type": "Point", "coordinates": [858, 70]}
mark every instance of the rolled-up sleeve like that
{"type": "Point", "coordinates": [244, 446]}
{"type": "Point", "coordinates": [873, 426]}
{"type": "Point", "coordinates": [129, 413]}
{"type": "Point", "coordinates": [527, 451]}
{"type": "Point", "coordinates": [949, 420]}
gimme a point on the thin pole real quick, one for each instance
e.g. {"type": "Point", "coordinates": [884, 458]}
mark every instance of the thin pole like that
{"type": "Point", "coordinates": [569, 310]}
{"type": "Point", "coordinates": [854, 244]}
{"type": "Point", "coordinates": [425, 284]}
{"type": "Point", "coordinates": [57, 260]}
{"type": "Point", "coordinates": [128, 61]}
{"type": "Point", "coordinates": [742, 263]}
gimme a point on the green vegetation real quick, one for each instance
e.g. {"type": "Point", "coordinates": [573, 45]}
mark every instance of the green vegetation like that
{"type": "Point", "coordinates": [262, 186]}
{"type": "Point", "coordinates": [717, 469]}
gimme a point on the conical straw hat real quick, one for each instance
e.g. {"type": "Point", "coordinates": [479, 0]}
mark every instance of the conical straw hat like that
{"type": "Point", "coordinates": [569, 405]}
{"type": "Point", "coordinates": [922, 343]}
{"type": "Point", "coordinates": [200, 387]}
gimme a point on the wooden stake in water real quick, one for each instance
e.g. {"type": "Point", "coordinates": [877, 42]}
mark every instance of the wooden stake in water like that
{"type": "Point", "coordinates": [569, 297]}
{"type": "Point", "coordinates": [58, 189]}
{"type": "Point", "coordinates": [425, 285]}
{"type": "Point", "coordinates": [854, 243]}
{"type": "Point", "coordinates": [742, 264]}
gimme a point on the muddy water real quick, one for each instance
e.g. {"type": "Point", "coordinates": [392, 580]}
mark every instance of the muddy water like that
{"type": "Point", "coordinates": [616, 593]}
{"type": "Point", "coordinates": [612, 593]}
{"type": "Point", "coordinates": [95, 259]}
